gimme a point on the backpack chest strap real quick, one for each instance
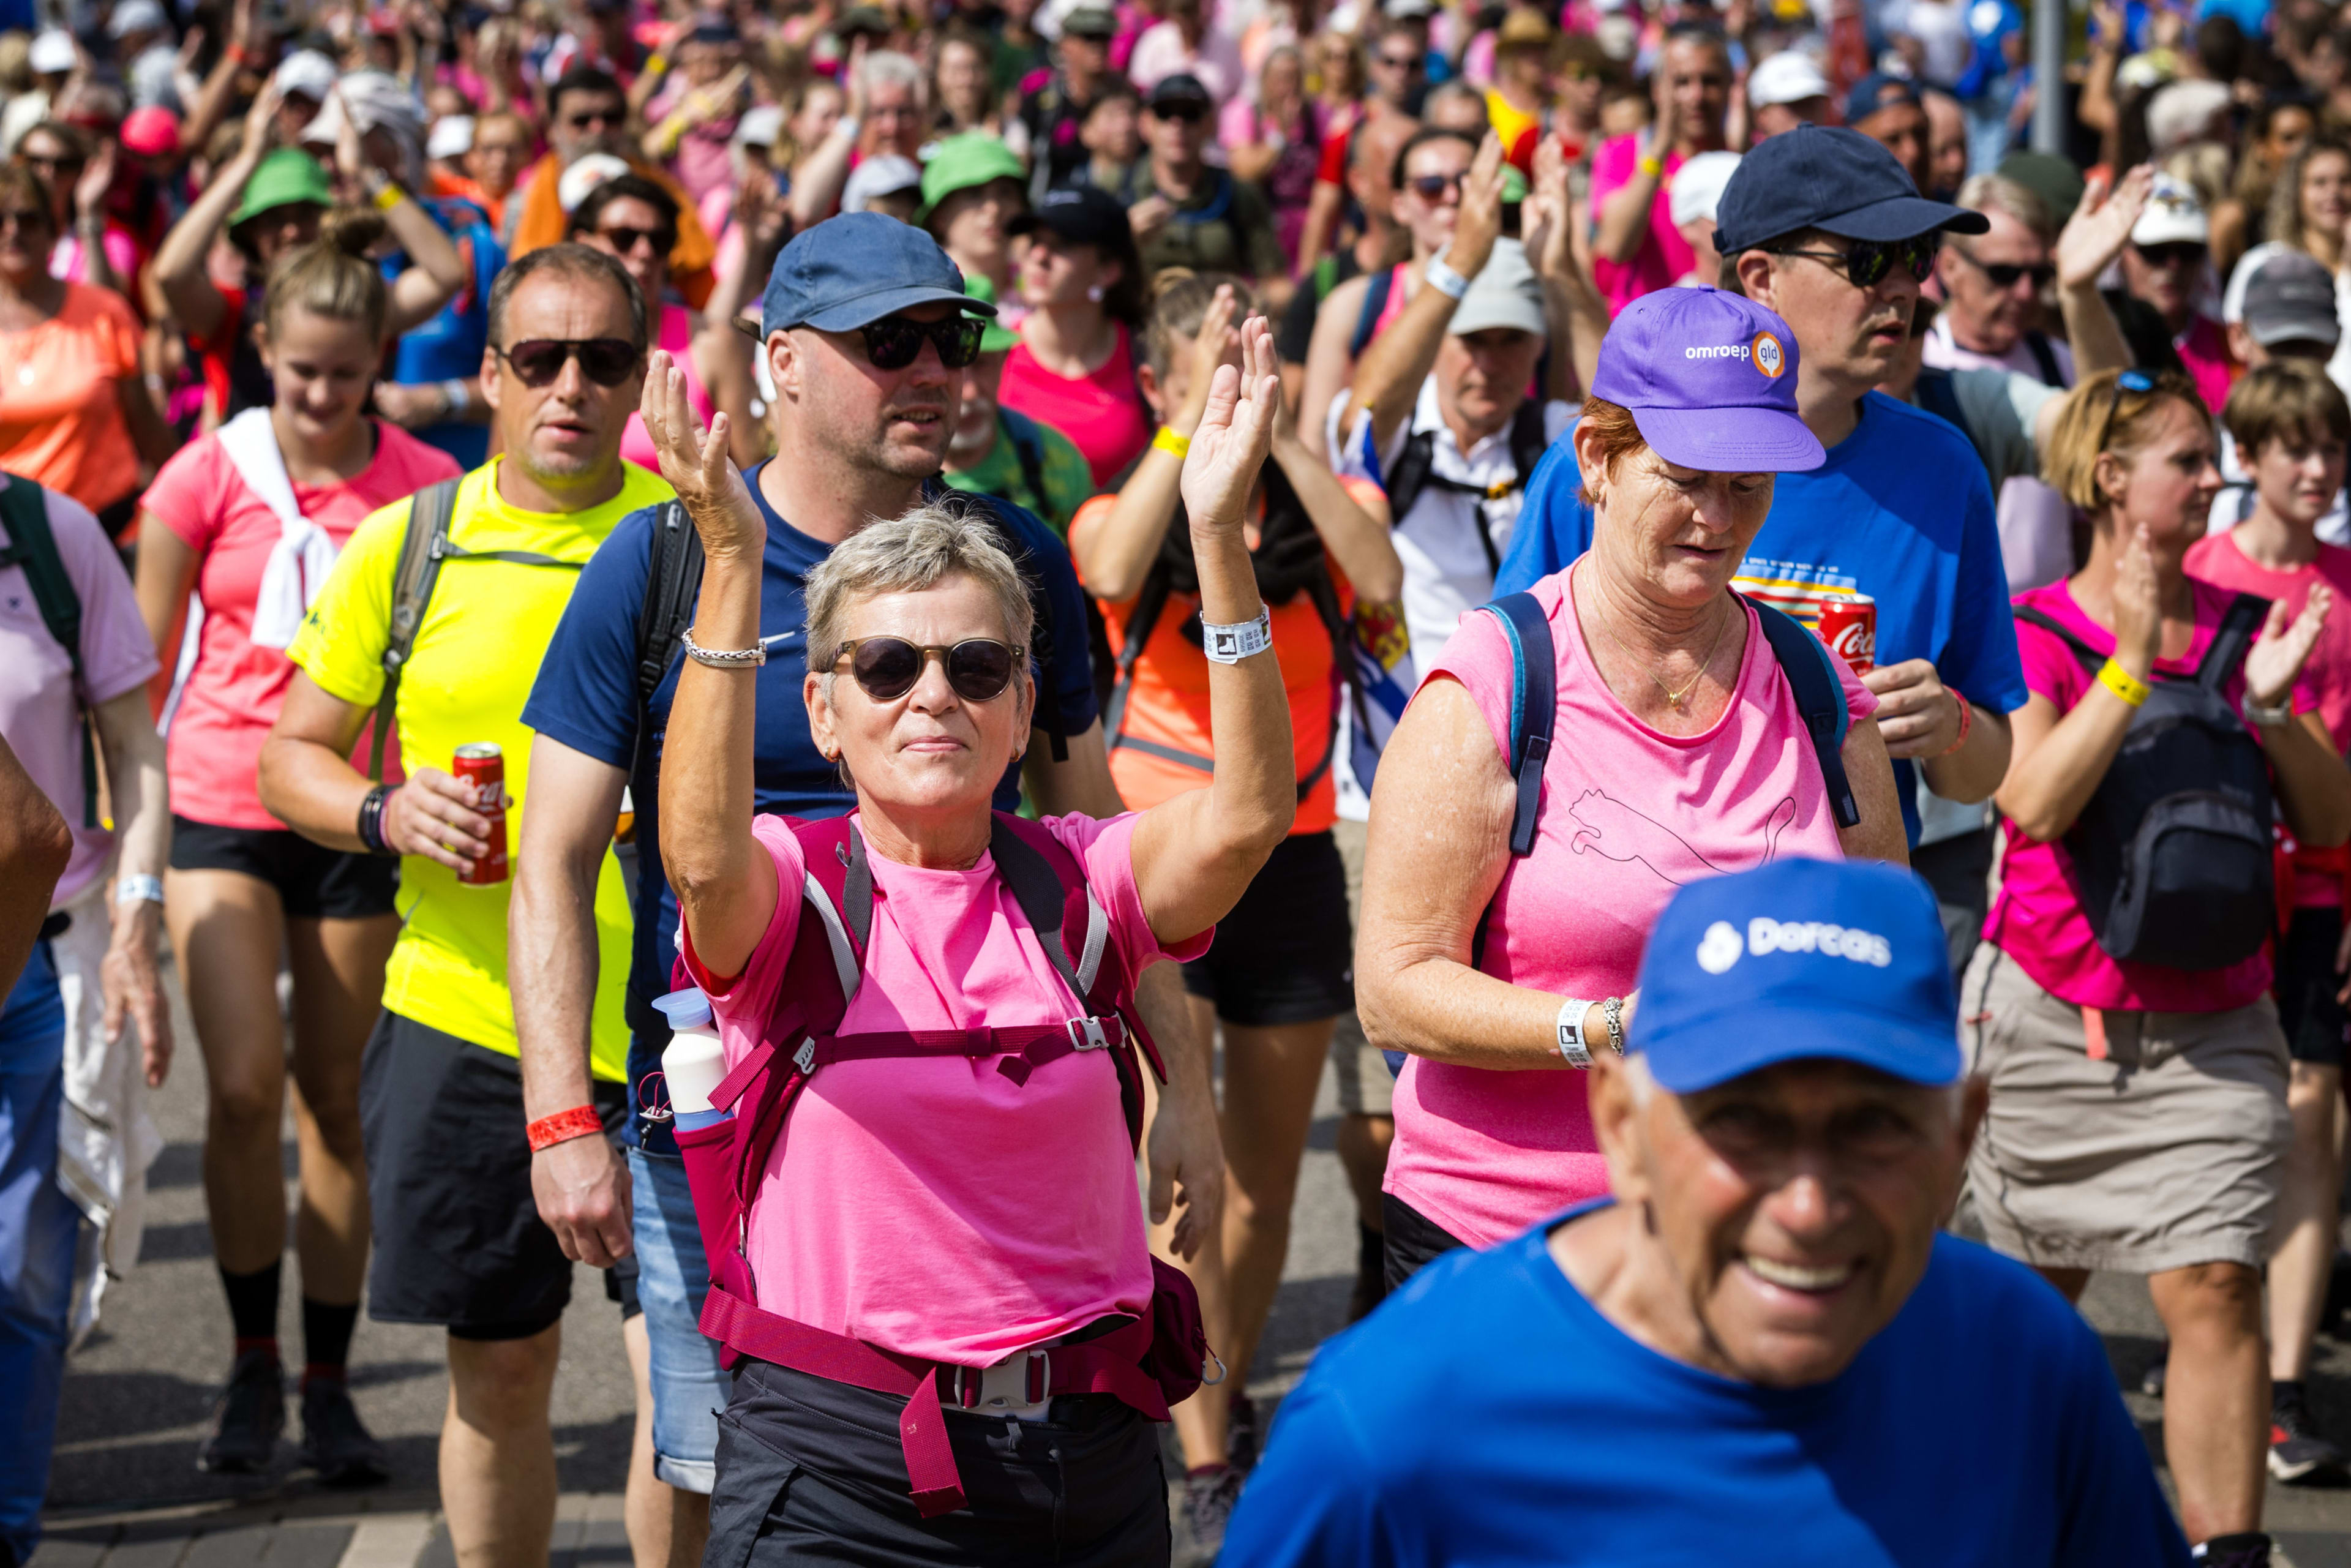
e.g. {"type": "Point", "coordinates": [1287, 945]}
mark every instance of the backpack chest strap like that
{"type": "Point", "coordinates": [1021, 1048]}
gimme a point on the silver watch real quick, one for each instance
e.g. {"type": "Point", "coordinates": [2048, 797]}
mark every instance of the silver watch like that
{"type": "Point", "coordinates": [2264, 718]}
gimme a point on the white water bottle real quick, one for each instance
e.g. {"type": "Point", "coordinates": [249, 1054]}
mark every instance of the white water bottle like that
{"type": "Point", "coordinates": [693, 1061]}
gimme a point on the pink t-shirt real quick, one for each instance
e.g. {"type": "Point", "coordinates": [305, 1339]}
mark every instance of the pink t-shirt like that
{"type": "Point", "coordinates": [37, 711]}
{"type": "Point", "coordinates": [929, 1205]}
{"type": "Point", "coordinates": [233, 693]}
{"type": "Point", "coordinates": [1664, 256]}
{"type": "Point", "coordinates": [1628, 816]}
{"type": "Point", "coordinates": [675, 333]}
{"type": "Point", "coordinates": [1103, 414]}
{"type": "Point", "coordinates": [2036, 919]}
{"type": "Point", "coordinates": [2216, 559]}
{"type": "Point", "coordinates": [2204, 349]}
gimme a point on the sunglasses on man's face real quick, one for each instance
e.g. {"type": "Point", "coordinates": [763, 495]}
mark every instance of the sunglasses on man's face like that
{"type": "Point", "coordinates": [1399, 63]}
{"type": "Point", "coordinates": [893, 343]}
{"type": "Point", "coordinates": [2180, 254]}
{"type": "Point", "coordinates": [592, 118]}
{"type": "Point", "coordinates": [1864, 262]}
{"type": "Point", "coordinates": [606, 361]}
{"type": "Point", "coordinates": [624, 240]}
{"type": "Point", "coordinates": [886, 668]}
{"type": "Point", "coordinates": [49, 168]}
{"type": "Point", "coordinates": [2003, 275]}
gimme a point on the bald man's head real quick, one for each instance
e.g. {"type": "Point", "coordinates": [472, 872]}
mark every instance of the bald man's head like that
{"type": "Point", "coordinates": [1370, 161]}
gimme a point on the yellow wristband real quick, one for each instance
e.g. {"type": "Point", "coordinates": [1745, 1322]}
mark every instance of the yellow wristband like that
{"type": "Point", "coordinates": [1651, 166]}
{"type": "Point", "coordinates": [390, 197]}
{"type": "Point", "coordinates": [1175, 444]}
{"type": "Point", "coordinates": [2123, 684]}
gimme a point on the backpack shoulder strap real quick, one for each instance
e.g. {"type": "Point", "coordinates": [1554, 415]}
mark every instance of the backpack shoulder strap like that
{"type": "Point", "coordinates": [838, 886]}
{"type": "Point", "coordinates": [1820, 702]}
{"type": "Point", "coordinates": [1529, 438]}
{"type": "Point", "coordinates": [672, 582]}
{"type": "Point", "coordinates": [1142, 620]}
{"type": "Point", "coordinates": [2091, 658]}
{"type": "Point", "coordinates": [2044, 358]}
{"type": "Point", "coordinates": [1367, 319]}
{"type": "Point", "coordinates": [32, 545]}
{"type": "Point", "coordinates": [2238, 626]}
{"type": "Point", "coordinates": [1409, 477]}
{"type": "Point", "coordinates": [1534, 707]}
{"type": "Point", "coordinates": [421, 549]}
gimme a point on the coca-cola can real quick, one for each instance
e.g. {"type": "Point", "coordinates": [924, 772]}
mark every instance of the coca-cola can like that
{"type": "Point", "coordinates": [1849, 626]}
{"type": "Point", "coordinates": [483, 766]}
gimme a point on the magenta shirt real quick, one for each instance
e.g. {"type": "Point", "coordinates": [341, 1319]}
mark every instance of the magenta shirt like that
{"type": "Point", "coordinates": [1104, 414]}
{"type": "Point", "coordinates": [2036, 919]}
{"type": "Point", "coordinates": [930, 1204]}
{"type": "Point", "coordinates": [1628, 816]}
{"type": "Point", "coordinates": [1664, 256]}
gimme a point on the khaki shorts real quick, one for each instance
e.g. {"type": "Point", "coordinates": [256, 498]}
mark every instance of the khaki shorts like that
{"type": "Point", "coordinates": [1367, 1087]}
{"type": "Point", "coordinates": [2168, 1153]}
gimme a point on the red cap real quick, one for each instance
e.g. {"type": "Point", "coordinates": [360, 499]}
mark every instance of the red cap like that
{"type": "Point", "coordinates": [152, 132]}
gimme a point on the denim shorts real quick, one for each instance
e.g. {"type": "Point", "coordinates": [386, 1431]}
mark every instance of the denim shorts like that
{"type": "Point", "coordinates": [689, 1386]}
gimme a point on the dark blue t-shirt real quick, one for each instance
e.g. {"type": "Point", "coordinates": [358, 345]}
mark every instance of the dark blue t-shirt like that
{"type": "Point", "coordinates": [1902, 511]}
{"type": "Point", "coordinates": [449, 347]}
{"type": "Point", "coordinates": [1487, 1414]}
{"type": "Point", "coordinates": [586, 697]}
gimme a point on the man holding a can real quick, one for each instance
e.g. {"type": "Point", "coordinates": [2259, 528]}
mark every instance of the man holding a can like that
{"type": "Point", "coordinates": [458, 1242]}
{"type": "Point", "coordinates": [1891, 545]}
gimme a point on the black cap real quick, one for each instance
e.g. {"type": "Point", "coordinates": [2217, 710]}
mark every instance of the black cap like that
{"type": "Point", "coordinates": [1091, 22]}
{"type": "Point", "coordinates": [862, 19]}
{"type": "Point", "coordinates": [1082, 214]}
{"type": "Point", "coordinates": [1181, 87]}
{"type": "Point", "coordinates": [1830, 179]}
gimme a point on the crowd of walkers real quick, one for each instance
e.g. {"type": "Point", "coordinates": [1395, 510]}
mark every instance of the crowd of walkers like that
{"type": "Point", "coordinates": [771, 648]}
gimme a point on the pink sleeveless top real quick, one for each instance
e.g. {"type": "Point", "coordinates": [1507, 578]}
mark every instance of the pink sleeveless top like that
{"type": "Point", "coordinates": [676, 335]}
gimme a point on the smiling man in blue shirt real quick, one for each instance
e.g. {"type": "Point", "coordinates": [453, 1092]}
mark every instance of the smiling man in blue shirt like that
{"type": "Point", "coordinates": [1760, 1351]}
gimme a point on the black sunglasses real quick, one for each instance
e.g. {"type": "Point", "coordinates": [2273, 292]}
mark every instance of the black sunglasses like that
{"type": "Point", "coordinates": [886, 668]}
{"type": "Point", "coordinates": [2179, 252]}
{"type": "Point", "coordinates": [2004, 274]}
{"type": "Point", "coordinates": [625, 240]}
{"type": "Point", "coordinates": [2129, 382]}
{"type": "Point", "coordinates": [1866, 261]}
{"type": "Point", "coordinates": [606, 361]}
{"type": "Point", "coordinates": [1409, 63]}
{"type": "Point", "coordinates": [35, 161]}
{"type": "Point", "coordinates": [605, 117]}
{"type": "Point", "coordinates": [1429, 187]}
{"type": "Point", "coordinates": [893, 343]}
{"type": "Point", "coordinates": [1190, 113]}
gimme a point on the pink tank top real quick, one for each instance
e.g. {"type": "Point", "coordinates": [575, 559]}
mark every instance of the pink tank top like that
{"type": "Point", "coordinates": [1399, 295]}
{"type": "Point", "coordinates": [676, 335]}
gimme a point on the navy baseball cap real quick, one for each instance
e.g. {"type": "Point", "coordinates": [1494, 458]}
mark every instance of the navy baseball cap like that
{"type": "Point", "coordinates": [1832, 179]}
{"type": "Point", "coordinates": [1876, 92]}
{"type": "Point", "coordinates": [1710, 378]}
{"type": "Point", "coordinates": [858, 267]}
{"type": "Point", "coordinates": [1800, 959]}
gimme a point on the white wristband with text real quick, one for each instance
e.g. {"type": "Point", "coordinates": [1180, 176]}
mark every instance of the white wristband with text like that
{"type": "Point", "coordinates": [1242, 639]}
{"type": "Point", "coordinates": [1571, 1032]}
{"type": "Point", "coordinates": [1444, 280]}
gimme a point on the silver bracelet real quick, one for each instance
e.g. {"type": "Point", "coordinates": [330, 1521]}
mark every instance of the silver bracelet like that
{"type": "Point", "coordinates": [2269, 717]}
{"type": "Point", "coordinates": [1572, 1043]}
{"type": "Point", "coordinates": [1242, 639]}
{"type": "Point", "coordinates": [1613, 1011]}
{"type": "Point", "coordinates": [749, 658]}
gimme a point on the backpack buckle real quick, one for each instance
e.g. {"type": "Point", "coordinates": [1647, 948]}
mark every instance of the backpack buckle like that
{"type": "Point", "coordinates": [1086, 1034]}
{"type": "Point", "coordinates": [804, 1058]}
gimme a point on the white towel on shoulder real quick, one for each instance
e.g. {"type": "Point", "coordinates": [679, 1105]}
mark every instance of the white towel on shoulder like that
{"type": "Point", "coordinates": [303, 556]}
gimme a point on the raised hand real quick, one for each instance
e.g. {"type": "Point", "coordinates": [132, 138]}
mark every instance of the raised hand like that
{"type": "Point", "coordinates": [1211, 346]}
{"type": "Point", "coordinates": [696, 464]}
{"type": "Point", "coordinates": [1235, 433]}
{"type": "Point", "coordinates": [2100, 226]}
{"type": "Point", "coordinates": [261, 121]}
{"type": "Point", "coordinates": [1480, 223]}
{"type": "Point", "coordinates": [2139, 607]}
{"type": "Point", "coordinates": [96, 180]}
{"type": "Point", "coordinates": [2280, 651]}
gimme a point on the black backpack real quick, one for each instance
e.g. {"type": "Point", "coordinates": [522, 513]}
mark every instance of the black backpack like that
{"type": "Point", "coordinates": [32, 545]}
{"type": "Point", "coordinates": [2171, 859]}
{"type": "Point", "coordinates": [1414, 471]}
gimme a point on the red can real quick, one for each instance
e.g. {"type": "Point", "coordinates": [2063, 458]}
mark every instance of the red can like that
{"type": "Point", "coordinates": [484, 767]}
{"type": "Point", "coordinates": [1849, 626]}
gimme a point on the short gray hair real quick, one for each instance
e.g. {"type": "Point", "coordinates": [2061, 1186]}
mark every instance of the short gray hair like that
{"type": "Point", "coordinates": [891, 66]}
{"type": "Point", "coordinates": [947, 538]}
{"type": "Point", "coordinates": [1998, 193]}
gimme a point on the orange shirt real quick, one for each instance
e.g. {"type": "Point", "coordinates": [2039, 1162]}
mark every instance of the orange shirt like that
{"type": "Point", "coordinates": [542, 223]}
{"type": "Point", "coordinates": [59, 423]}
{"type": "Point", "coordinates": [1169, 703]}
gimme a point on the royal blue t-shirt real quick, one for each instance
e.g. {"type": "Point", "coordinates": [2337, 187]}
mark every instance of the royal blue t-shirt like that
{"type": "Point", "coordinates": [586, 697]}
{"type": "Point", "coordinates": [1902, 511]}
{"type": "Point", "coordinates": [1487, 1414]}
{"type": "Point", "coordinates": [449, 347]}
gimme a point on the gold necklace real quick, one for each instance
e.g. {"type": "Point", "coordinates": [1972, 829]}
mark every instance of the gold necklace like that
{"type": "Point", "coordinates": [1675, 699]}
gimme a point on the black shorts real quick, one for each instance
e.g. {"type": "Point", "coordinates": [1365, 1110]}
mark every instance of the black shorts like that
{"type": "Point", "coordinates": [458, 1240]}
{"type": "Point", "coordinates": [1285, 954]}
{"type": "Point", "coordinates": [2316, 1024]}
{"type": "Point", "coordinates": [813, 1472]}
{"type": "Point", "coordinates": [313, 882]}
{"type": "Point", "coordinates": [1412, 1240]}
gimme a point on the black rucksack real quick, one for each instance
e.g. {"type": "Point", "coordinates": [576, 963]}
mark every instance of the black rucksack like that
{"type": "Point", "coordinates": [2171, 859]}
{"type": "Point", "coordinates": [32, 545]}
{"type": "Point", "coordinates": [1414, 471]}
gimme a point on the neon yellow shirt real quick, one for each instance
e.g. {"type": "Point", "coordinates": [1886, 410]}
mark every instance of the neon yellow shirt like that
{"type": "Point", "coordinates": [476, 655]}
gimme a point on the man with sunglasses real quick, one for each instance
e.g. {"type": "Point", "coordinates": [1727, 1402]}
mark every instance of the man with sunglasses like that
{"type": "Point", "coordinates": [2164, 267]}
{"type": "Point", "coordinates": [588, 112]}
{"type": "Point", "coordinates": [1199, 215]}
{"type": "Point", "coordinates": [445, 1118]}
{"type": "Point", "coordinates": [1822, 226]}
{"type": "Point", "coordinates": [867, 332]}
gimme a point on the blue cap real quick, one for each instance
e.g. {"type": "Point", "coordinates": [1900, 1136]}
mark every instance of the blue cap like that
{"type": "Point", "coordinates": [1832, 179]}
{"type": "Point", "coordinates": [1710, 378]}
{"type": "Point", "coordinates": [1876, 92]}
{"type": "Point", "coordinates": [1800, 959]}
{"type": "Point", "coordinates": [856, 268]}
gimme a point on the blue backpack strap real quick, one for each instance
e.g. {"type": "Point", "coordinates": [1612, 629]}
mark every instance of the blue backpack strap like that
{"type": "Point", "coordinates": [1534, 707]}
{"type": "Point", "coordinates": [1820, 699]}
{"type": "Point", "coordinates": [1367, 319]}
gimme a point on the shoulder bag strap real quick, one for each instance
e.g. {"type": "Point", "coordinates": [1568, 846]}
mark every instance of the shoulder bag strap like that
{"type": "Point", "coordinates": [412, 591]}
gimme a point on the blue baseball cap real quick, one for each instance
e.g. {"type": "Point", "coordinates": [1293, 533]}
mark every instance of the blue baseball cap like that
{"type": "Point", "coordinates": [1710, 378]}
{"type": "Point", "coordinates": [1876, 92]}
{"type": "Point", "coordinates": [1832, 179]}
{"type": "Point", "coordinates": [856, 268]}
{"type": "Point", "coordinates": [1800, 959]}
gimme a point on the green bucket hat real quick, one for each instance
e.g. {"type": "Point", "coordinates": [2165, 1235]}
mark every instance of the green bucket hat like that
{"type": "Point", "coordinates": [963, 162]}
{"type": "Point", "coordinates": [287, 177]}
{"type": "Point", "coordinates": [997, 338]}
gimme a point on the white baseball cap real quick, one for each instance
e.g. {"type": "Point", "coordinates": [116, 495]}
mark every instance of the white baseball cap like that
{"type": "Point", "coordinates": [761, 126]}
{"type": "Point", "coordinates": [52, 52]}
{"type": "Point", "coordinates": [1698, 184]}
{"type": "Point", "coordinates": [136, 17]}
{"type": "Point", "coordinates": [452, 137]}
{"type": "Point", "coordinates": [1789, 76]}
{"type": "Point", "coordinates": [884, 176]}
{"type": "Point", "coordinates": [2173, 215]}
{"type": "Point", "coordinates": [308, 72]}
{"type": "Point", "coordinates": [586, 172]}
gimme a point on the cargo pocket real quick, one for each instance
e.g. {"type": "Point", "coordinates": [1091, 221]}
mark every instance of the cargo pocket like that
{"type": "Point", "coordinates": [751, 1483]}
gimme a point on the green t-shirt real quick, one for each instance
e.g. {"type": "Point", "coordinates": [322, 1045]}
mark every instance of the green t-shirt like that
{"type": "Point", "coordinates": [1069, 483]}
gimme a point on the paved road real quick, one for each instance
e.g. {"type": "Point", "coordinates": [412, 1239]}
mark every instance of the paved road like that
{"type": "Point", "coordinates": [126, 1494]}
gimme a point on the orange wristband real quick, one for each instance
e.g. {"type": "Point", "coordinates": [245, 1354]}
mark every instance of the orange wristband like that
{"type": "Point", "coordinates": [1967, 721]}
{"type": "Point", "coordinates": [579, 1121]}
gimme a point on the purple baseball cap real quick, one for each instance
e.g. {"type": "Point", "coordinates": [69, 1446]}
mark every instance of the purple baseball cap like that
{"type": "Point", "coordinates": [1710, 378]}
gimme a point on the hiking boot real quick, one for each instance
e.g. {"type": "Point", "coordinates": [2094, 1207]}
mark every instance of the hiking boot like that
{"type": "Point", "coordinates": [1371, 1273]}
{"type": "Point", "coordinates": [335, 1442]}
{"type": "Point", "coordinates": [247, 1419]}
{"type": "Point", "coordinates": [1241, 1443]}
{"type": "Point", "coordinates": [2246, 1549]}
{"type": "Point", "coordinates": [1209, 1494]}
{"type": "Point", "coordinates": [2296, 1450]}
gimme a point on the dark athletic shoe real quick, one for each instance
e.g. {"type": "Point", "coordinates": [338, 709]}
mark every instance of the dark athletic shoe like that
{"type": "Point", "coordinates": [248, 1417]}
{"type": "Point", "coordinates": [2247, 1549]}
{"type": "Point", "coordinates": [334, 1441]}
{"type": "Point", "coordinates": [2296, 1450]}
{"type": "Point", "coordinates": [1209, 1496]}
{"type": "Point", "coordinates": [1241, 1442]}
